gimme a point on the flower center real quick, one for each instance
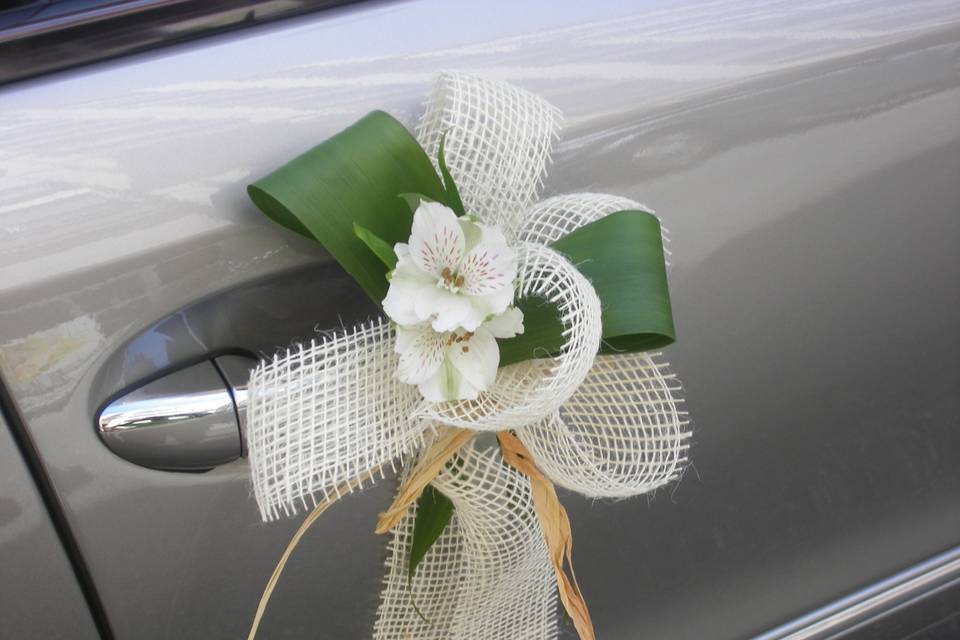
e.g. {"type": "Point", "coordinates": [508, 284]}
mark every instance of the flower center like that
{"type": "Point", "coordinates": [450, 280]}
{"type": "Point", "coordinates": [463, 340]}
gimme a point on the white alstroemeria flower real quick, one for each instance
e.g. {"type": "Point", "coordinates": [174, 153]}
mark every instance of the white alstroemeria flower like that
{"type": "Point", "coordinates": [454, 273]}
{"type": "Point", "coordinates": [454, 365]}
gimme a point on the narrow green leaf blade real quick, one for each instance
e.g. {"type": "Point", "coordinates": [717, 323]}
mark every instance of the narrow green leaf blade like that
{"type": "Point", "coordinates": [453, 194]}
{"type": "Point", "coordinates": [434, 511]}
{"type": "Point", "coordinates": [413, 200]}
{"type": "Point", "coordinates": [380, 247]}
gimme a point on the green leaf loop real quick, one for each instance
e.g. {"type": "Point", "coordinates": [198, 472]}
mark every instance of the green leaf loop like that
{"type": "Point", "coordinates": [352, 178]}
{"type": "Point", "coordinates": [622, 256]}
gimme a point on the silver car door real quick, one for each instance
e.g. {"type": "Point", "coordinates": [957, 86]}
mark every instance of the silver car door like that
{"type": "Point", "coordinates": [803, 156]}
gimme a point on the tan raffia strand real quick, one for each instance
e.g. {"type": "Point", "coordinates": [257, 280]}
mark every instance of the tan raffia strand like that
{"type": "Point", "coordinates": [448, 442]}
{"type": "Point", "coordinates": [556, 531]}
{"type": "Point", "coordinates": [313, 516]}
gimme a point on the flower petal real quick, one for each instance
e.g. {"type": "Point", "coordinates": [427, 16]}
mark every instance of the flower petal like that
{"type": "Point", "coordinates": [490, 266]}
{"type": "Point", "coordinates": [432, 388]}
{"type": "Point", "coordinates": [465, 390]}
{"type": "Point", "coordinates": [406, 283]}
{"type": "Point", "coordinates": [495, 303]}
{"type": "Point", "coordinates": [444, 309]}
{"type": "Point", "coordinates": [402, 251]}
{"type": "Point", "coordinates": [448, 384]}
{"type": "Point", "coordinates": [399, 302]}
{"type": "Point", "coordinates": [506, 325]}
{"type": "Point", "coordinates": [436, 239]}
{"type": "Point", "coordinates": [472, 233]}
{"type": "Point", "coordinates": [474, 318]}
{"type": "Point", "coordinates": [421, 352]}
{"type": "Point", "coordinates": [476, 358]}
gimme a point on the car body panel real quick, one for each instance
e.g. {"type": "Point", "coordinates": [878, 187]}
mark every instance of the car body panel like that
{"type": "Point", "coordinates": [803, 156]}
{"type": "Point", "coordinates": [39, 593]}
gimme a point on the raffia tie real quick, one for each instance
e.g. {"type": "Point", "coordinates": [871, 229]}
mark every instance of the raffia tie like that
{"type": "Point", "coordinates": [324, 418]}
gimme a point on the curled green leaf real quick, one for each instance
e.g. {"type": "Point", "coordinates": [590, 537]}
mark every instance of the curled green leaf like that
{"type": "Point", "coordinates": [622, 256]}
{"type": "Point", "coordinates": [352, 177]}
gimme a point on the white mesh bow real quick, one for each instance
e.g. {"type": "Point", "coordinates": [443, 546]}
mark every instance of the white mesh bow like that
{"type": "Point", "coordinates": [609, 425]}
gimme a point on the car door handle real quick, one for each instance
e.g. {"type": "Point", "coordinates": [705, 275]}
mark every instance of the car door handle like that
{"type": "Point", "coordinates": [191, 419]}
{"type": "Point", "coordinates": [172, 395]}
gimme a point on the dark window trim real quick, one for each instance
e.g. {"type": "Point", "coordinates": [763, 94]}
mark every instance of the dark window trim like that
{"type": "Point", "coordinates": [44, 43]}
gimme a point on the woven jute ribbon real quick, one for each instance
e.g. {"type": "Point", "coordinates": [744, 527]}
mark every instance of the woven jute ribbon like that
{"type": "Point", "coordinates": [325, 418]}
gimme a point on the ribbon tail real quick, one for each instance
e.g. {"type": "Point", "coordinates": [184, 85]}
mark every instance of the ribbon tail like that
{"type": "Point", "coordinates": [488, 575]}
{"type": "Point", "coordinates": [556, 531]}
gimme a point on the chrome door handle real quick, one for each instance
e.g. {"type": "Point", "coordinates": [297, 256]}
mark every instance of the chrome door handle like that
{"type": "Point", "coordinates": [188, 420]}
